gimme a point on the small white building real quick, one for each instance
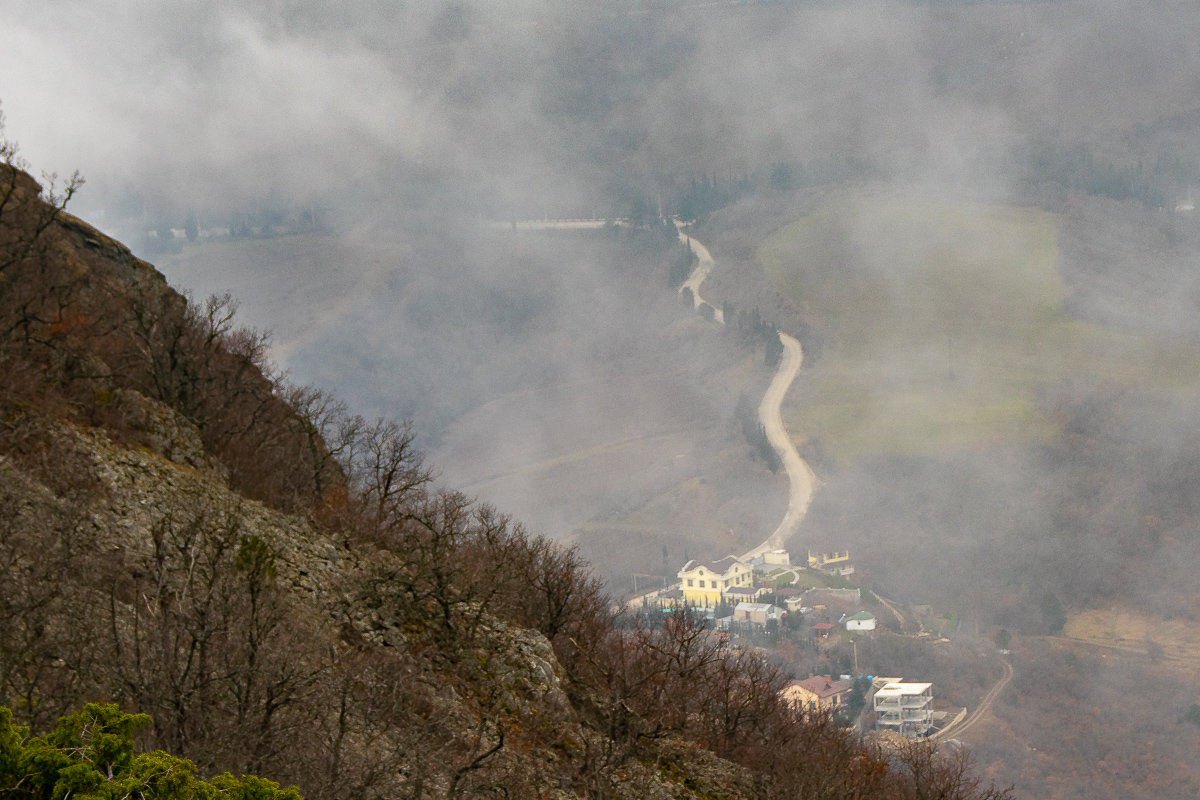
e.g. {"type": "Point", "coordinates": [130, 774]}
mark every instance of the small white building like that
{"type": "Point", "coordinates": [862, 621]}
{"type": "Point", "coordinates": [771, 561]}
{"type": "Point", "coordinates": [795, 605]}
{"type": "Point", "coordinates": [757, 613]}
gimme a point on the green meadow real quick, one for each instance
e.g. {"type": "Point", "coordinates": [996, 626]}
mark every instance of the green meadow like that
{"type": "Point", "coordinates": [944, 320]}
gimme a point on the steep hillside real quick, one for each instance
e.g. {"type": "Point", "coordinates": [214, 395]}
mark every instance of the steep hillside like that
{"type": "Point", "coordinates": [278, 584]}
{"type": "Point", "coordinates": [553, 374]}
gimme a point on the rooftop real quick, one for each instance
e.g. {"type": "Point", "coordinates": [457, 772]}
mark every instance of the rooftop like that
{"type": "Point", "coordinates": [903, 689]}
{"type": "Point", "coordinates": [821, 685]}
{"type": "Point", "coordinates": [720, 567]}
{"type": "Point", "coordinates": [764, 607]}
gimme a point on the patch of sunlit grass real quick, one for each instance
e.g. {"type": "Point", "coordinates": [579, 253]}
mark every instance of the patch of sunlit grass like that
{"type": "Point", "coordinates": [1125, 627]}
{"type": "Point", "coordinates": [945, 321]}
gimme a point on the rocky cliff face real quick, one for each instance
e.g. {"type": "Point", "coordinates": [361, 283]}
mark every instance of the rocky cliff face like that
{"type": "Point", "coordinates": [146, 549]}
{"type": "Point", "coordinates": [302, 628]}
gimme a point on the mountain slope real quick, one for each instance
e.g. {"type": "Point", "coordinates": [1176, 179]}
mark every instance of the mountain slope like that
{"type": "Point", "coordinates": [277, 583]}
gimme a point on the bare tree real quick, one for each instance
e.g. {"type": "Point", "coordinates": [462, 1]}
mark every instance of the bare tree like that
{"type": "Point", "coordinates": [320, 420]}
{"type": "Point", "coordinates": [47, 657]}
{"type": "Point", "coordinates": [204, 641]}
{"type": "Point", "coordinates": [27, 209]}
{"type": "Point", "coordinates": [923, 772]}
{"type": "Point", "coordinates": [389, 474]}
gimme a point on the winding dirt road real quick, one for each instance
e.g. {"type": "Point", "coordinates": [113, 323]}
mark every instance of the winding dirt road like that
{"type": "Point", "coordinates": [703, 267]}
{"type": "Point", "coordinates": [801, 479]}
{"type": "Point", "coordinates": [984, 705]}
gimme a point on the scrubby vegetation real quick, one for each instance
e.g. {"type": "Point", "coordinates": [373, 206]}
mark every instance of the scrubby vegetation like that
{"type": "Point", "coordinates": [278, 584]}
{"type": "Point", "coordinates": [93, 754]}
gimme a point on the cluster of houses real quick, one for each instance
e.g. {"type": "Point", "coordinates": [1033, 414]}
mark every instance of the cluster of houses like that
{"type": "Point", "coordinates": [740, 586]}
{"type": "Point", "coordinates": [900, 707]}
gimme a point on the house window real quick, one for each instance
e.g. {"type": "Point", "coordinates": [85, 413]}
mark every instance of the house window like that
{"type": "Point", "coordinates": [689, 581]}
{"type": "Point", "coordinates": [701, 584]}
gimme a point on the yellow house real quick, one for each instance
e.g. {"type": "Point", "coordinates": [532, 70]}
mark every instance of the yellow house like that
{"type": "Point", "coordinates": [828, 561]}
{"type": "Point", "coordinates": [704, 583]}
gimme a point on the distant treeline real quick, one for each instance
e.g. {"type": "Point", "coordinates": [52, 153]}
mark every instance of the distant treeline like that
{"type": "Point", "coordinates": [695, 196]}
{"type": "Point", "coordinates": [1072, 165]}
{"type": "Point", "coordinates": [1075, 166]}
{"type": "Point", "coordinates": [755, 434]}
{"type": "Point", "coordinates": [751, 330]}
{"type": "Point", "coordinates": [682, 265]}
{"type": "Point", "coordinates": [169, 233]}
{"type": "Point", "coordinates": [786, 176]}
{"type": "Point", "coordinates": [707, 194]}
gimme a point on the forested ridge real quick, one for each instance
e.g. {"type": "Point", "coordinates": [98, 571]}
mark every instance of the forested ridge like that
{"type": "Point", "coordinates": [280, 586]}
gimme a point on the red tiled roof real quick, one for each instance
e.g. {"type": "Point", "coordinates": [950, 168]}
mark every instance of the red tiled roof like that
{"type": "Point", "coordinates": [822, 686]}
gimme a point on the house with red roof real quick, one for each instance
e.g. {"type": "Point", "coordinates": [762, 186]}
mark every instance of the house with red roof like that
{"type": "Point", "coordinates": [816, 693]}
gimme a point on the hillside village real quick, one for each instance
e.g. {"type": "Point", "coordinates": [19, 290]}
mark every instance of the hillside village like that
{"type": "Point", "coordinates": [977, 218]}
{"type": "Point", "coordinates": [766, 600]}
{"type": "Point", "coordinates": [183, 540]}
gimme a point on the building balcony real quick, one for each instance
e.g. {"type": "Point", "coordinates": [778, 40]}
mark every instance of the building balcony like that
{"type": "Point", "coordinates": [906, 700]}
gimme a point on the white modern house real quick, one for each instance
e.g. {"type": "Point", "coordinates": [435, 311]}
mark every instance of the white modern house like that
{"type": "Point", "coordinates": [906, 708]}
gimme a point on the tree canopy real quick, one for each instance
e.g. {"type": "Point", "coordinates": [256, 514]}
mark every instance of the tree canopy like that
{"type": "Point", "coordinates": [92, 754]}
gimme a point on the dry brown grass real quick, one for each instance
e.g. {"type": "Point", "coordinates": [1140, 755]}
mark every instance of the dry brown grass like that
{"type": "Point", "coordinates": [1127, 629]}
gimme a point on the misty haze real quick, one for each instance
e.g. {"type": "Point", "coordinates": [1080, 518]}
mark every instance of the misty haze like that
{"type": "Point", "coordinates": [975, 220]}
